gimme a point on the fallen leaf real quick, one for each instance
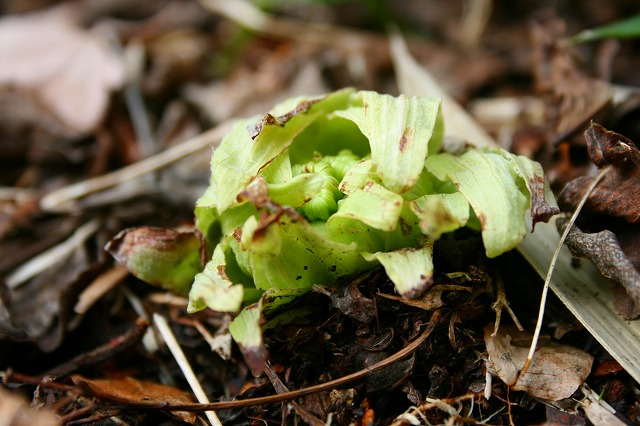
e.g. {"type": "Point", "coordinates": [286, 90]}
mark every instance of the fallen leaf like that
{"type": "Point", "coordinates": [350, 301]}
{"type": "Point", "coordinates": [574, 97]}
{"type": "Point", "coordinates": [599, 415]}
{"type": "Point", "coordinates": [611, 215]}
{"type": "Point", "coordinates": [556, 417]}
{"type": "Point", "coordinates": [43, 306]}
{"type": "Point", "coordinates": [132, 391]}
{"type": "Point", "coordinates": [14, 411]}
{"type": "Point", "coordinates": [75, 70]}
{"type": "Point", "coordinates": [618, 195]}
{"type": "Point", "coordinates": [556, 370]}
{"type": "Point", "coordinates": [603, 250]}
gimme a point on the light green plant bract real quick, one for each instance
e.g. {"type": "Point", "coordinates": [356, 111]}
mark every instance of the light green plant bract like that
{"type": "Point", "coordinates": [332, 186]}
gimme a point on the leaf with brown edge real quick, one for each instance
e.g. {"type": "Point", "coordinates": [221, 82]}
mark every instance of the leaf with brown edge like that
{"type": "Point", "coordinates": [162, 257]}
{"type": "Point", "coordinates": [131, 391]}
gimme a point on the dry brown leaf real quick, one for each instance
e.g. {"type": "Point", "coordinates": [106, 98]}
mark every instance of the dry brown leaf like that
{"type": "Point", "coordinates": [132, 391]}
{"type": "Point", "coordinates": [42, 307]}
{"type": "Point", "coordinates": [599, 415]}
{"type": "Point", "coordinates": [574, 96]}
{"type": "Point", "coordinates": [350, 301]}
{"type": "Point", "coordinates": [64, 69]}
{"type": "Point", "coordinates": [602, 248]}
{"type": "Point", "coordinates": [290, 71]}
{"type": "Point", "coordinates": [611, 215]}
{"type": "Point", "coordinates": [618, 195]}
{"type": "Point", "coordinates": [556, 370]}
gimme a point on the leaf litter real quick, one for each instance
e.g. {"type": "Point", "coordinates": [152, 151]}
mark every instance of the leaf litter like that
{"type": "Point", "coordinates": [445, 378]}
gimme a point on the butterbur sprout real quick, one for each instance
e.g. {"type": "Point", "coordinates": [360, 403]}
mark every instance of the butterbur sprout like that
{"type": "Point", "coordinates": [323, 188]}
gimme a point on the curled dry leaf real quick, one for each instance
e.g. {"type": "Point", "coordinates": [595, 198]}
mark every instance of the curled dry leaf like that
{"type": "Point", "coordinates": [75, 71]}
{"type": "Point", "coordinates": [350, 301]}
{"type": "Point", "coordinates": [556, 370]}
{"type": "Point", "coordinates": [574, 97]}
{"type": "Point", "coordinates": [602, 248]}
{"type": "Point", "coordinates": [42, 308]}
{"type": "Point", "coordinates": [618, 195]}
{"type": "Point", "coordinates": [611, 215]}
{"type": "Point", "coordinates": [132, 391]}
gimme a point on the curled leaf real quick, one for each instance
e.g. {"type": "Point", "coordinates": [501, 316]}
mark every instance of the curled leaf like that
{"type": "Point", "coordinates": [212, 287]}
{"type": "Point", "coordinates": [602, 248]}
{"type": "Point", "coordinates": [411, 270]}
{"type": "Point", "coordinates": [162, 257]}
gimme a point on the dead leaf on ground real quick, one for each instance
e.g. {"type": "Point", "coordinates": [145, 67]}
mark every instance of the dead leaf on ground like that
{"type": "Point", "coordinates": [75, 70]}
{"type": "Point", "coordinates": [14, 411]}
{"type": "Point", "coordinates": [603, 250]}
{"type": "Point", "coordinates": [574, 97]}
{"type": "Point", "coordinates": [618, 195]}
{"type": "Point", "coordinates": [251, 91]}
{"type": "Point", "coordinates": [556, 370]}
{"type": "Point", "coordinates": [599, 415]}
{"type": "Point", "coordinates": [350, 301]}
{"type": "Point", "coordinates": [611, 216]}
{"type": "Point", "coordinates": [43, 307]}
{"type": "Point", "coordinates": [132, 391]}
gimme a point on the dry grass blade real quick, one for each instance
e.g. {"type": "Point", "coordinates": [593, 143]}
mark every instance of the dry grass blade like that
{"type": "Point", "coordinates": [62, 199]}
{"type": "Point", "coordinates": [552, 265]}
{"type": "Point", "coordinates": [580, 289]}
{"type": "Point", "coordinates": [172, 343]}
{"type": "Point", "coordinates": [48, 258]}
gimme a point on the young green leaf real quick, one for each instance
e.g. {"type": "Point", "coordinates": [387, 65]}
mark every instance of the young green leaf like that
{"type": "Point", "coordinates": [212, 287]}
{"type": "Point", "coordinates": [440, 213]}
{"type": "Point", "coordinates": [399, 131]}
{"type": "Point", "coordinates": [250, 148]}
{"type": "Point", "coordinates": [373, 205]}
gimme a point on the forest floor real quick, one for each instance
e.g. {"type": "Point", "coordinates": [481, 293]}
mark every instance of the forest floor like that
{"type": "Point", "coordinates": [96, 101]}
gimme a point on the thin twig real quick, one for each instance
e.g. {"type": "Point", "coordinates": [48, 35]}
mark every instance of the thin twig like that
{"type": "Point", "coordinates": [174, 347]}
{"type": "Point", "coordinates": [106, 351]}
{"type": "Point", "coordinates": [554, 258]}
{"type": "Point", "coordinates": [282, 388]}
{"type": "Point", "coordinates": [62, 199]}
{"type": "Point", "coordinates": [99, 287]}
{"type": "Point", "coordinates": [223, 405]}
{"type": "Point", "coordinates": [134, 57]}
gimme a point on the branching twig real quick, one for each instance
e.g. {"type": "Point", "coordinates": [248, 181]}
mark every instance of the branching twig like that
{"type": "Point", "coordinates": [502, 303]}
